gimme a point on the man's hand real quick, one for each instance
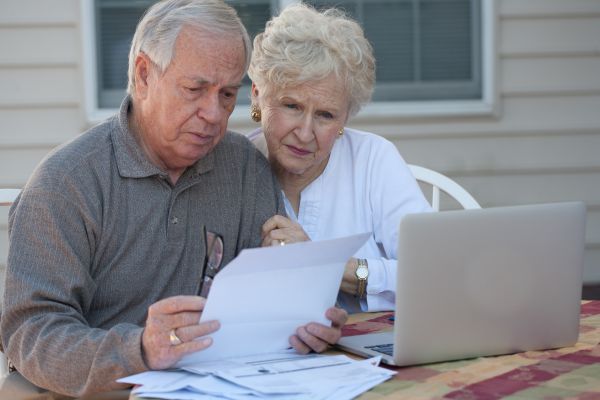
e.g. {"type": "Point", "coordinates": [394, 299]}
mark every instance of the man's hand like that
{"type": "Point", "coordinates": [318, 337]}
{"type": "Point", "coordinates": [181, 314]}
{"type": "Point", "coordinates": [279, 230]}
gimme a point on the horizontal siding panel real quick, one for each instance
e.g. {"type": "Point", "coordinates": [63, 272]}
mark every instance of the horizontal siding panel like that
{"type": "Point", "coordinates": [540, 75]}
{"type": "Point", "coordinates": [548, 36]}
{"type": "Point", "coordinates": [533, 8]}
{"type": "Point", "coordinates": [31, 86]}
{"type": "Point", "coordinates": [39, 12]}
{"type": "Point", "coordinates": [550, 113]}
{"type": "Point", "coordinates": [518, 115]}
{"type": "Point", "coordinates": [495, 190]}
{"type": "Point", "coordinates": [497, 154]}
{"type": "Point", "coordinates": [25, 46]}
{"type": "Point", "coordinates": [20, 163]}
{"type": "Point", "coordinates": [35, 127]}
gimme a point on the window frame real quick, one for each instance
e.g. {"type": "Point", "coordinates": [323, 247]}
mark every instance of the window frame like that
{"type": "Point", "coordinates": [486, 106]}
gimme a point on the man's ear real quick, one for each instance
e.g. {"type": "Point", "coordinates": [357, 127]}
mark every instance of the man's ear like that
{"type": "Point", "coordinates": [142, 71]}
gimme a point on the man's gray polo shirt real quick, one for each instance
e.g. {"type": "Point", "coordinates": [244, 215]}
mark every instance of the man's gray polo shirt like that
{"type": "Point", "coordinates": [99, 234]}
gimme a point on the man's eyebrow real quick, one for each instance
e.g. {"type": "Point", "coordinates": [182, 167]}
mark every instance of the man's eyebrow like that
{"type": "Point", "coordinates": [202, 81]}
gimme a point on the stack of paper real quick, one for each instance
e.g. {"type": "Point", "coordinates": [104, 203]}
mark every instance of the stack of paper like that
{"type": "Point", "coordinates": [284, 375]}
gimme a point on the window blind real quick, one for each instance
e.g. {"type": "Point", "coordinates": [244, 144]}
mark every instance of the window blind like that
{"type": "Point", "coordinates": [425, 49]}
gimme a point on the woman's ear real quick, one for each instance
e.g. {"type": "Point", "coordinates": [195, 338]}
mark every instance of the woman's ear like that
{"type": "Point", "coordinates": [254, 92]}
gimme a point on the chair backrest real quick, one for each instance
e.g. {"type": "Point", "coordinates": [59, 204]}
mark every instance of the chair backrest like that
{"type": "Point", "coordinates": [8, 196]}
{"type": "Point", "coordinates": [445, 184]}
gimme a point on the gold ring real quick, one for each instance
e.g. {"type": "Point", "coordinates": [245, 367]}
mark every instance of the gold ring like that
{"type": "Point", "coordinates": [173, 338]}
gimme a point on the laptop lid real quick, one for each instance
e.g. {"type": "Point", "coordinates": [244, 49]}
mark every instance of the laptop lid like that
{"type": "Point", "coordinates": [485, 282]}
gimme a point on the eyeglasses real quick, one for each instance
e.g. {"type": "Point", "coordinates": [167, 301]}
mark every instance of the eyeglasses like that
{"type": "Point", "coordinates": [213, 243]}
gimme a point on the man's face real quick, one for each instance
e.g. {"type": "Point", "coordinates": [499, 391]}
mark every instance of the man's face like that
{"type": "Point", "coordinates": [182, 113]}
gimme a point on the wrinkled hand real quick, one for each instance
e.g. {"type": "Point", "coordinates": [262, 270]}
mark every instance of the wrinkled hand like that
{"type": "Point", "coordinates": [318, 337]}
{"type": "Point", "coordinates": [280, 229]}
{"type": "Point", "coordinates": [181, 313]}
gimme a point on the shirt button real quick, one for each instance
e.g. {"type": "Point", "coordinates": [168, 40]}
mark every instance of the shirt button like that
{"type": "Point", "coordinates": [174, 220]}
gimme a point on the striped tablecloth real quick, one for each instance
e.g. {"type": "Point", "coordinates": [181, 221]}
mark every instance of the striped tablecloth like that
{"type": "Point", "coordinates": [567, 373]}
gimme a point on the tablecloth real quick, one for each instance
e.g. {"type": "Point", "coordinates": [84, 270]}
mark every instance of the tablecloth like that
{"type": "Point", "coordinates": [566, 373]}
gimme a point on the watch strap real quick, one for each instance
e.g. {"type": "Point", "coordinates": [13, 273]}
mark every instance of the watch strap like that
{"type": "Point", "coordinates": [361, 290]}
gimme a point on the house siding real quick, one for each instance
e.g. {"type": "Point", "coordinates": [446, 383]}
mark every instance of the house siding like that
{"type": "Point", "coordinates": [41, 88]}
{"type": "Point", "coordinates": [542, 144]}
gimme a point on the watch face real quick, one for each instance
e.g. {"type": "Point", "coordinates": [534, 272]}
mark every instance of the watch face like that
{"type": "Point", "coordinates": [362, 273]}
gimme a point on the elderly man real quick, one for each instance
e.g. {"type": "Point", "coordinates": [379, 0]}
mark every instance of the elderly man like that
{"type": "Point", "coordinates": [108, 238]}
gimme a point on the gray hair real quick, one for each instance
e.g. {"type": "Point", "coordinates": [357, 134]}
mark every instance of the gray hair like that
{"type": "Point", "coordinates": [302, 45]}
{"type": "Point", "coordinates": [158, 29]}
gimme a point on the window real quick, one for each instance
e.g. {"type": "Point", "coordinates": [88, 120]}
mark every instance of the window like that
{"type": "Point", "coordinates": [425, 49]}
{"type": "Point", "coordinates": [115, 22]}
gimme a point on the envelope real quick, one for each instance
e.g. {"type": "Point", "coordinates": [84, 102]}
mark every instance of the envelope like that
{"type": "Point", "coordinates": [264, 294]}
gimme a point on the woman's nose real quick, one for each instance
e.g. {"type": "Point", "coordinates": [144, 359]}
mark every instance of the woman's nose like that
{"type": "Point", "coordinates": [305, 131]}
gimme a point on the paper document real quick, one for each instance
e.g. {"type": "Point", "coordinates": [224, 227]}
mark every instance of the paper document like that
{"type": "Point", "coordinates": [284, 375]}
{"type": "Point", "coordinates": [264, 294]}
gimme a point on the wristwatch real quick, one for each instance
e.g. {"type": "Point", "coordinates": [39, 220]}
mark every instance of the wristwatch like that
{"type": "Point", "coordinates": [362, 274]}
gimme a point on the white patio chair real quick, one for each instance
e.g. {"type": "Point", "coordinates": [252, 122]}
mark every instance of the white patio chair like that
{"type": "Point", "coordinates": [7, 197]}
{"type": "Point", "coordinates": [442, 183]}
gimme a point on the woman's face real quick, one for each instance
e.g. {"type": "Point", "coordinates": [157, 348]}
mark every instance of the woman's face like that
{"type": "Point", "coordinates": [301, 124]}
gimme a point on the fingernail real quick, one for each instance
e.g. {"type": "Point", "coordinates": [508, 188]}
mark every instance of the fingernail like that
{"type": "Point", "coordinates": [312, 329]}
{"type": "Point", "coordinates": [215, 325]}
{"type": "Point", "coordinates": [206, 341]}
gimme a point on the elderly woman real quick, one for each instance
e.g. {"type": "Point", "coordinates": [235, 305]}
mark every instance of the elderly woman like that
{"type": "Point", "coordinates": [311, 71]}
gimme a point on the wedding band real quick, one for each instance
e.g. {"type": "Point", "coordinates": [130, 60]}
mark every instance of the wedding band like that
{"type": "Point", "coordinates": [173, 338]}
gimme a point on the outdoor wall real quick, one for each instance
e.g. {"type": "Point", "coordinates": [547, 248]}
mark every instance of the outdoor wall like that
{"type": "Point", "coordinates": [542, 144]}
{"type": "Point", "coordinates": [41, 88]}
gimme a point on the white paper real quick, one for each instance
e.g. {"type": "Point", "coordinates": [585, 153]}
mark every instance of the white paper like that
{"type": "Point", "coordinates": [159, 378]}
{"type": "Point", "coordinates": [275, 376]}
{"type": "Point", "coordinates": [255, 361]}
{"type": "Point", "coordinates": [309, 376]}
{"type": "Point", "coordinates": [264, 294]}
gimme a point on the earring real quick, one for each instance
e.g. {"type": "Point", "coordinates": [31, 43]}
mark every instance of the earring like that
{"type": "Point", "coordinates": [341, 132]}
{"type": "Point", "coordinates": [255, 113]}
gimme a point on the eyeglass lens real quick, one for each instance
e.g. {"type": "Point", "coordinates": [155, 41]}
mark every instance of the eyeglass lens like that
{"type": "Point", "coordinates": [212, 261]}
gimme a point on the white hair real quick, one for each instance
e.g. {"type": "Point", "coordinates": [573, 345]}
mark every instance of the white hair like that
{"type": "Point", "coordinates": [302, 45]}
{"type": "Point", "coordinates": [157, 31]}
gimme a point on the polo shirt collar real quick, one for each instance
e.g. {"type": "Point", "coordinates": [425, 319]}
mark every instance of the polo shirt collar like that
{"type": "Point", "coordinates": [131, 159]}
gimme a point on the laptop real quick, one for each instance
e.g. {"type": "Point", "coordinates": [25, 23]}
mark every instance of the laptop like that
{"type": "Point", "coordinates": [483, 282]}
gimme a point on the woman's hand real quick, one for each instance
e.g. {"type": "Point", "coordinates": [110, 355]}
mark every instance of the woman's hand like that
{"type": "Point", "coordinates": [350, 281]}
{"type": "Point", "coordinates": [279, 230]}
{"type": "Point", "coordinates": [318, 337]}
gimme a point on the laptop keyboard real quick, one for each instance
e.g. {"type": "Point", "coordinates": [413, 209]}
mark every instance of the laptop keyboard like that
{"type": "Point", "coordinates": [383, 348]}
